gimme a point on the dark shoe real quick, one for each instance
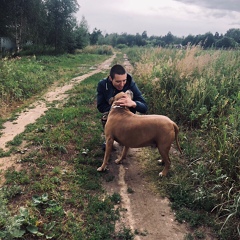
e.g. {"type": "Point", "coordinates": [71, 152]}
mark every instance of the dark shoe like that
{"type": "Point", "coordinates": [104, 146]}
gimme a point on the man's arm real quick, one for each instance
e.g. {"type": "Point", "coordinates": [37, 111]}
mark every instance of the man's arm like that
{"type": "Point", "coordinates": [141, 105]}
{"type": "Point", "coordinates": [102, 104]}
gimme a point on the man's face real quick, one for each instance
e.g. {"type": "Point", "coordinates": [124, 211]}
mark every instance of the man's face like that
{"type": "Point", "coordinates": [119, 81]}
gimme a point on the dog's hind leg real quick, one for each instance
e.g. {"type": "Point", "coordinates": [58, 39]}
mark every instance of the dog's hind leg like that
{"type": "Point", "coordinates": [109, 145]}
{"type": "Point", "coordinates": [123, 155]}
{"type": "Point", "coordinates": [164, 152]}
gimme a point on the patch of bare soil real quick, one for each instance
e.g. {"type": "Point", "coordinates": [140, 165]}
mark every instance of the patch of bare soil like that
{"type": "Point", "coordinates": [36, 110]}
{"type": "Point", "coordinates": [143, 210]}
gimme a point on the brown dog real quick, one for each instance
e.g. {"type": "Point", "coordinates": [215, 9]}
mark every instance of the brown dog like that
{"type": "Point", "coordinates": [134, 131]}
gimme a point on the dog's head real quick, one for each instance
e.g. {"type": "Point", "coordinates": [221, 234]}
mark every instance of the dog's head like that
{"type": "Point", "coordinates": [120, 95]}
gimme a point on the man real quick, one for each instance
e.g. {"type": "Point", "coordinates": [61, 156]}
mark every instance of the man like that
{"type": "Point", "coordinates": [119, 81]}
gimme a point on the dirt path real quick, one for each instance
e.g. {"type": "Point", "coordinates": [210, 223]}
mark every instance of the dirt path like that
{"type": "Point", "coordinates": [36, 110]}
{"type": "Point", "coordinates": [144, 211]}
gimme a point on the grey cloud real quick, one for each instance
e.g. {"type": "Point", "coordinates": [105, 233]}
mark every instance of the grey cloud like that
{"type": "Point", "coordinates": [229, 5]}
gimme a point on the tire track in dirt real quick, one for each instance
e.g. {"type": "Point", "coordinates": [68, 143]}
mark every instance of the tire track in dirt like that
{"type": "Point", "coordinates": [141, 210]}
{"type": "Point", "coordinates": [37, 109]}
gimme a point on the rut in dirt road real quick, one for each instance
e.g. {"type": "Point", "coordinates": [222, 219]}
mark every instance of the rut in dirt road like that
{"type": "Point", "coordinates": [142, 210]}
{"type": "Point", "coordinates": [37, 109]}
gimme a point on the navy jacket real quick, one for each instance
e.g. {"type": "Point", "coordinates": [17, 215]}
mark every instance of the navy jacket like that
{"type": "Point", "coordinates": [105, 90]}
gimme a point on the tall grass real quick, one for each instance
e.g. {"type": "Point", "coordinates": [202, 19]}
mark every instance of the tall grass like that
{"type": "Point", "coordinates": [58, 194]}
{"type": "Point", "coordinates": [200, 90]}
{"type": "Point", "coordinates": [22, 78]}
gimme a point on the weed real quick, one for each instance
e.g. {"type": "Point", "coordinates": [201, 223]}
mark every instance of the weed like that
{"type": "Point", "coordinates": [125, 234]}
{"type": "Point", "coordinates": [201, 94]}
{"type": "Point", "coordinates": [17, 177]}
{"type": "Point", "coordinates": [116, 198]}
{"type": "Point", "coordinates": [130, 190]}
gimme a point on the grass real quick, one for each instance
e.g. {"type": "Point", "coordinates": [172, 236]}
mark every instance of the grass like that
{"type": "Point", "coordinates": [57, 193]}
{"type": "Point", "coordinates": [199, 90]}
{"type": "Point", "coordinates": [22, 78]}
{"type": "Point", "coordinates": [65, 199]}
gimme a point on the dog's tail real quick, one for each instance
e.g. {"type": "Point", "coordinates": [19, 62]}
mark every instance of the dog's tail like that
{"type": "Point", "coordinates": [176, 129]}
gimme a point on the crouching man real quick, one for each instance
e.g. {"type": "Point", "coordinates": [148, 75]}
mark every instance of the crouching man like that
{"type": "Point", "coordinates": [118, 81]}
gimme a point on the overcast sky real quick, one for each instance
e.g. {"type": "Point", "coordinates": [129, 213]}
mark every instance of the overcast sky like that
{"type": "Point", "coordinates": [158, 17]}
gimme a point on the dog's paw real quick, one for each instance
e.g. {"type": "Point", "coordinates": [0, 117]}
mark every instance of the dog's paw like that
{"type": "Point", "coordinates": [161, 174]}
{"type": "Point", "coordinates": [160, 162]}
{"type": "Point", "coordinates": [118, 161]}
{"type": "Point", "coordinates": [100, 169]}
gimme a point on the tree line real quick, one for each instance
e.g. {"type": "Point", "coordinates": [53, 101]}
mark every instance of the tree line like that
{"type": "Point", "coordinates": [52, 25]}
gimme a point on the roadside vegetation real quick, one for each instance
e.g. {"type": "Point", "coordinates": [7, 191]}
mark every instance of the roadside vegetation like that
{"type": "Point", "coordinates": [23, 77]}
{"type": "Point", "coordinates": [200, 90]}
{"type": "Point", "coordinates": [57, 193]}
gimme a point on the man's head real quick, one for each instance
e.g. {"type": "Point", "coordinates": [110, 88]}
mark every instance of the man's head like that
{"type": "Point", "coordinates": [118, 76]}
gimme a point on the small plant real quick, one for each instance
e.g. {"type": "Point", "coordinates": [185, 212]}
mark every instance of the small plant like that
{"type": "Point", "coordinates": [116, 198]}
{"type": "Point", "coordinates": [125, 234]}
{"type": "Point", "coordinates": [130, 190]}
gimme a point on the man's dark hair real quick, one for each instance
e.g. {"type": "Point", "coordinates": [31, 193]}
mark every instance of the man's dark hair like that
{"type": "Point", "coordinates": [117, 69]}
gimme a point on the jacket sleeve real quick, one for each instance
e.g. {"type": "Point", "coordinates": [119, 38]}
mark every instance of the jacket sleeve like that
{"type": "Point", "coordinates": [102, 102]}
{"type": "Point", "coordinates": [138, 98]}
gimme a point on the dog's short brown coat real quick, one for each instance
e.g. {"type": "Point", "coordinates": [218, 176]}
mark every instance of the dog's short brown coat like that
{"type": "Point", "coordinates": [134, 131]}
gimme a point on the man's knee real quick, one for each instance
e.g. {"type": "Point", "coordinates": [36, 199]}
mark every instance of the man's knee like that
{"type": "Point", "coordinates": [104, 119]}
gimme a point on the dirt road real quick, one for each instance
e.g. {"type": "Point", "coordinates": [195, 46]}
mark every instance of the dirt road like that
{"type": "Point", "coordinates": [145, 212]}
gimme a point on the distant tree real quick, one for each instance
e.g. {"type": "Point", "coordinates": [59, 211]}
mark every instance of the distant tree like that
{"type": "Point", "coordinates": [226, 42]}
{"type": "Point", "coordinates": [131, 40]}
{"type": "Point", "coordinates": [94, 36]}
{"type": "Point", "coordinates": [207, 40]}
{"type": "Point", "coordinates": [217, 36]}
{"type": "Point", "coordinates": [109, 39]}
{"type": "Point", "coordinates": [5, 18]}
{"type": "Point", "coordinates": [169, 38]}
{"type": "Point", "coordinates": [82, 34]}
{"type": "Point", "coordinates": [144, 35]}
{"type": "Point", "coordinates": [61, 22]}
{"type": "Point", "coordinates": [188, 40]}
{"type": "Point", "coordinates": [234, 33]}
{"type": "Point", "coordinates": [138, 39]}
{"type": "Point", "coordinates": [18, 18]}
{"type": "Point", "coordinates": [122, 39]}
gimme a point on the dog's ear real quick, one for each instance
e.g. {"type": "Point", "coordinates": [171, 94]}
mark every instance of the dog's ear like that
{"type": "Point", "coordinates": [129, 93]}
{"type": "Point", "coordinates": [110, 101]}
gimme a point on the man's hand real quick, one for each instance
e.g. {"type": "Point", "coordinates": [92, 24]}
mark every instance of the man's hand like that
{"type": "Point", "coordinates": [125, 101]}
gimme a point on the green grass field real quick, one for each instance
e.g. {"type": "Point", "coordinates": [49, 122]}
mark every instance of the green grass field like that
{"type": "Point", "coordinates": [57, 194]}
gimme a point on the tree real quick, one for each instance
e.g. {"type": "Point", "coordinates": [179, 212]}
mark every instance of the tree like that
{"type": "Point", "coordinates": [168, 39]}
{"type": "Point", "coordinates": [207, 40]}
{"type": "Point", "coordinates": [5, 18]}
{"type": "Point", "coordinates": [60, 22]}
{"type": "Point", "coordinates": [94, 36]}
{"type": "Point", "coordinates": [226, 42]}
{"type": "Point", "coordinates": [234, 33]}
{"type": "Point", "coordinates": [82, 34]}
{"type": "Point", "coordinates": [188, 40]}
{"type": "Point", "coordinates": [144, 35]}
{"type": "Point", "coordinates": [17, 15]}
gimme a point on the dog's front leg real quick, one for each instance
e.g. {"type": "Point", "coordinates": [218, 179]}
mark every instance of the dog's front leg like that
{"type": "Point", "coordinates": [123, 155]}
{"type": "Point", "coordinates": [109, 145]}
